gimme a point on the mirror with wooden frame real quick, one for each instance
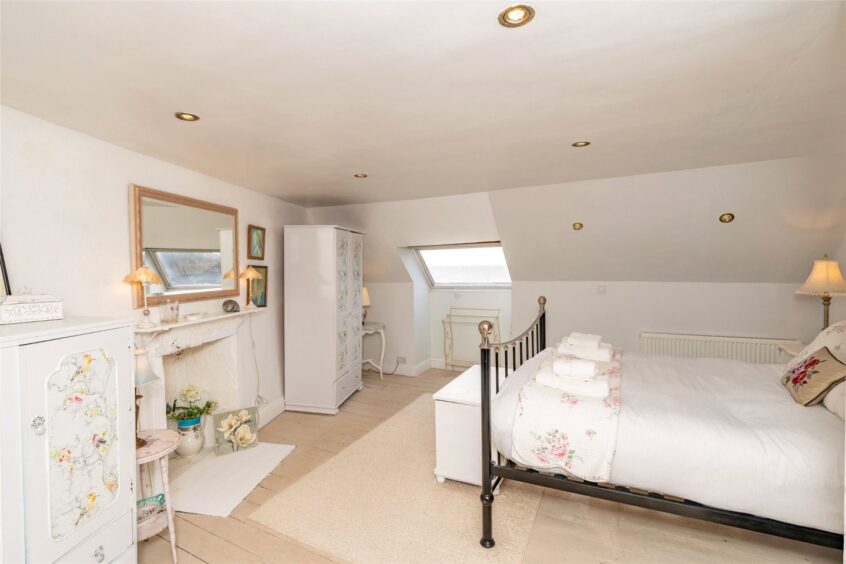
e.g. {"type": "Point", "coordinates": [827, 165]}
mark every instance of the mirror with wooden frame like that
{"type": "Point", "coordinates": [191, 244]}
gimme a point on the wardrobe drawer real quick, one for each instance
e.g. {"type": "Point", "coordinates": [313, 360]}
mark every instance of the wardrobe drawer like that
{"type": "Point", "coordinates": [347, 384]}
{"type": "Point", "coordinates": [106, 545]}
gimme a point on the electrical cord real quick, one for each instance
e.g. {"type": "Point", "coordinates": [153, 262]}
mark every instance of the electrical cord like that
{"type": "Point", "coordinates": [259, 401]}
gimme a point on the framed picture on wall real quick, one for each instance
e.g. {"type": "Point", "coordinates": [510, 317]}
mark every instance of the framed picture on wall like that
{"type": "Point", "coordinates": [258, 288]}
{"type": "Point", "coordinates": [255, 242]}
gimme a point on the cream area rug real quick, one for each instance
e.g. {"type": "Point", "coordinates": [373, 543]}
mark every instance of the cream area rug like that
{"type": "Point", "coordinates": [378, 501]}
{"type": "Point", "coordinates": [214, 485]}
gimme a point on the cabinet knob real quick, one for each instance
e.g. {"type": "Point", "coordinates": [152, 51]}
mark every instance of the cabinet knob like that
{"type": "Point", "coordinates": [38, 425]}
{"type": "Point", "coordinates": [99, 553]}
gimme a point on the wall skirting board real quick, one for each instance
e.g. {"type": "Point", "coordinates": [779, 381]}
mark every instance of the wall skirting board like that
{"type": "Point", "coordinates": [414, 369]}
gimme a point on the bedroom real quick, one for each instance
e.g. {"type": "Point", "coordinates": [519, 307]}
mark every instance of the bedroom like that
{"type": "Point", "coordinates": [668, 176]}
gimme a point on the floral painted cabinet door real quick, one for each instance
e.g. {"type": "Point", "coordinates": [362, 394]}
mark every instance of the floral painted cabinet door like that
{"type": "Point", "coordinates": [77, 417]}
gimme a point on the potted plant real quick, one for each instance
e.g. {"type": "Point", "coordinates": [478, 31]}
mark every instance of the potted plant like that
{"type": "Point", "coordinates": [189, 419]}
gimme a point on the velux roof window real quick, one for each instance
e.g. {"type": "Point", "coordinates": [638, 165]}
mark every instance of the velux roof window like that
{"type": "Point", "coordinates": [479, 265]}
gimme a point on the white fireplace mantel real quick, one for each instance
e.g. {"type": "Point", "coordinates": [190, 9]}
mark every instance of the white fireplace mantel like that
{"type": "Point", "coordinates": [203, 351]}
{"type": "Point", "coordinates": [173, 338]}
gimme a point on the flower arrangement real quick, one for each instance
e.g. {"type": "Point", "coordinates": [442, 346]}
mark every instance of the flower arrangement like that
{"type": "Point", "coordinates": [190, 395]}
{"type": "Point", "coordinates": [236, 431]}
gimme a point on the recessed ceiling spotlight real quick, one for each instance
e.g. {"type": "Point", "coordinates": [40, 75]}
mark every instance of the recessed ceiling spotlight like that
{"type": "Point", "coordinates": [727, 217]}
{"type": "Point", "coordinates": [360, 175]}
{"type": "Point", "coordinates": [517, 15]}
{"type": "Point", "coordinates": [578, 226]}
{"type": "Point", "coordinates": [580, 144]}
{"type": "Point", "coordinates": [185, 116]}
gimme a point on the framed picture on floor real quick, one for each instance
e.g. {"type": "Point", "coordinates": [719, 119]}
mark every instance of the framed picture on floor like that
{"type": "Point", "coordinates": [258, 288]}
{"type": "Point", "coordinates": [235, 430]}
{"type": "Point", "coordinates": [255, 242]}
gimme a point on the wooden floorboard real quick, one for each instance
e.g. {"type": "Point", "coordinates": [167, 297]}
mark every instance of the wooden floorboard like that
{"type": "Point", "coordinates": [568, 528]}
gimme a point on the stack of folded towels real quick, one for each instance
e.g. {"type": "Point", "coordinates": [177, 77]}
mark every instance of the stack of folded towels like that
{"type": "Point", "coordinates": [576, 366]}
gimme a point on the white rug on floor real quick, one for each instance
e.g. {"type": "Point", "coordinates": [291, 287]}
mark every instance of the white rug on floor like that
{"type": "Point", "coordinates": [377, 501]}
{"type": "Point", "coordinates": [214, 485]}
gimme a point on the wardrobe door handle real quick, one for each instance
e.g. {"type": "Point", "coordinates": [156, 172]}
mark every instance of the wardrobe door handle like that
{"type": "Point", "coordinates": [38, 425]}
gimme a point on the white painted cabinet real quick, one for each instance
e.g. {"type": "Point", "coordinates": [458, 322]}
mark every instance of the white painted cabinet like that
{"type": "Point", "coordinates": [323, 279]}
{"type": "Point", "coordinates": [68, 448]}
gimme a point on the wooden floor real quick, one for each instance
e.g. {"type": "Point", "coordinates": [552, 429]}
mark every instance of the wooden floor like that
{"type": "Point", "coordinates": [567, 528]}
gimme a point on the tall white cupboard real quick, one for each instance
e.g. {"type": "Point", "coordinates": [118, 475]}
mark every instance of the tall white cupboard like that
{"type": "Point", "coordinates": [323, 279]}
{"type": "Point", "coordinates": [67, 442]}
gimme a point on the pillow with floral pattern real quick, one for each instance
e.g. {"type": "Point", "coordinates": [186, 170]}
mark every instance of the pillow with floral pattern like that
{"type": "Point", "coordinates": [832, 337]}
{"type": "Point", "coordinates": [808, 382]}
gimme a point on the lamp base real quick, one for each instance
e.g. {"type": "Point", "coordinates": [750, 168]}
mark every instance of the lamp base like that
{"type": "Point", "coordinates": [826, 300]}
{"type": "Point", "coordinates": [147, 323]}
{"type": "Point", "coordinates": [251, 305]}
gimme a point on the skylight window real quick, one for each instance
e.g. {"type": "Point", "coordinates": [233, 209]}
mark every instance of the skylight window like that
{"type": "Point", "coordinates": [480, 265]}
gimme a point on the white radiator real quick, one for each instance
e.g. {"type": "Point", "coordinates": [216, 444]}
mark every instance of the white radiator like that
{"type": "Point", "coordinates": [747, 349]}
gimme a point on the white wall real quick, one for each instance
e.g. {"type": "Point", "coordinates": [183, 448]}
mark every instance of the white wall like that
{"type": "Point", "coordinates": [627, 308]}
{"type": "Point", "coordinates": [64, 224]}
{"type": "Point", "coordinates": [659, 227]}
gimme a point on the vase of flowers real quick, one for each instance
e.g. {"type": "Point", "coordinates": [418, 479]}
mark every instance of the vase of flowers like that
{"type": "Point", "coordinates": [189, 419]}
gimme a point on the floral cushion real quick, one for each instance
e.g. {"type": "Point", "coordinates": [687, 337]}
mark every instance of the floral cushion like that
{"type": "Point", "coordinates": [832, 337]}
{"type": "Point", "coordinates": [808, 382]}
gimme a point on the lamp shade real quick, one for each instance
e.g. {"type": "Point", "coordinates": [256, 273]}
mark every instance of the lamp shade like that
{"type": "Point", "coordinates": [142, 275]}
{"type": "Point", "coordinates": [825, 279]}
{"type": "Point", "coordinates": [250, 273]}
{"type": "Point", "coordinates": [365, 297]}
{"type": "Point", "coordinates": [143, 373]}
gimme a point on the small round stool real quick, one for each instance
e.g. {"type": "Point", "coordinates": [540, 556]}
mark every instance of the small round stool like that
{"type": "Point", "coordinates": [160, 443]}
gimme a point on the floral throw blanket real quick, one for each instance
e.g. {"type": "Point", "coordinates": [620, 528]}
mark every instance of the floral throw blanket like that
{"type": "Point", "coordinates": [560, 432]}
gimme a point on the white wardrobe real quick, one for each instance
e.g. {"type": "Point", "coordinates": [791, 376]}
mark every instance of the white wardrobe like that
{"type": "Point", "coordinates": [323, 278]}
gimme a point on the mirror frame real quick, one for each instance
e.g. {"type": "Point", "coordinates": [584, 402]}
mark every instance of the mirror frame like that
{"type": "Point", "coordinates": [137, 192]}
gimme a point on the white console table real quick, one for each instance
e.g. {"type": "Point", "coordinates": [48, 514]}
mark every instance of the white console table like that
{"type": "Point", "coordinates": [370, 328]}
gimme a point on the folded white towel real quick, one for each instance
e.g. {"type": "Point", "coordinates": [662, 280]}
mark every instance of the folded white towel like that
{"type": "Point", "coordinates": [602, 354]}
{"type": "Point", "coordinates": [576, 367]}
{"type": "Point", "coordinates": [595, 388]}
{"type": "Point", "coordinates": [584, 340]}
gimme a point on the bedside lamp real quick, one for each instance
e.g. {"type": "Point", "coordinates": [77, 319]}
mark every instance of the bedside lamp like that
{"type": "Point", "coordinates": [825, 280]}
{"type": "Point", "coordinates": [143, 375]}
{"type": "Point", "coordinates": [365, 303]}
{"type": "Point", "coordinates": [249, 275]}
{"type": "Point", "coordinates": [145, 277]}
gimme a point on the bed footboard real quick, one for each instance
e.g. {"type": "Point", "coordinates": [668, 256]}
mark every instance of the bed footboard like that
{"type": "Point", "coordinates": [499, 358]}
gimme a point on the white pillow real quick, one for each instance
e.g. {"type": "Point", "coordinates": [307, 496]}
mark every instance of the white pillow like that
{"type": "Point", "coordinates": [835, 400]}
{"type": "Point", "coordinates": [833, 337]}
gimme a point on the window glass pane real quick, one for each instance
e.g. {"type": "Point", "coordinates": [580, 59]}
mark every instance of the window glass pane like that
{"type": "Point", "coordinates": [188, 269]}
{"type": "Point", "coordinates": [474, 266]}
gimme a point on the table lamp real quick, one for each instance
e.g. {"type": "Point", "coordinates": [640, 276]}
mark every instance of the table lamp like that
{"type": "Point", "coordinates": [825, 280]}
{"type": "Point", "coordinates": [143, 375]}
{"type": "Point", "coordinates": [249, 275]}
{"type": "Point", "coordinates": [365, 303]}
{"type": "Point", "coordinates": [145, 277]}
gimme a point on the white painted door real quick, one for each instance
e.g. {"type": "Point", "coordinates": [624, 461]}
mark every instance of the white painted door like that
{"type": "Point", "coordinates": [78, 445]}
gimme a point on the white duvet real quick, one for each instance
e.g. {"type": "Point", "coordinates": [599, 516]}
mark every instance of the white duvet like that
{"type": "Point", "coordinates": [719, 432]}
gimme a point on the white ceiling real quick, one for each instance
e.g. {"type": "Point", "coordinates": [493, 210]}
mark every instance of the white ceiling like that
{"type": "Point", "coordinates": [433, 98]}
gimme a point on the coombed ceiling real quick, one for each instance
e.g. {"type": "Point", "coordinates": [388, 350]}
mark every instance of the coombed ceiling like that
{"type": "Point", "coordinates": [433, 98]}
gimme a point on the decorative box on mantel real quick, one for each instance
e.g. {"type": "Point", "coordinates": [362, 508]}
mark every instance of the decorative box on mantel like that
{"type": "Point", "coordinates": [29, 307]}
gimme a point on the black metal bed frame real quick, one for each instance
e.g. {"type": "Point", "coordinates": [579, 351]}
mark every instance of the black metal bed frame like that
{"type": "Point", "coordinates": [525, 346]}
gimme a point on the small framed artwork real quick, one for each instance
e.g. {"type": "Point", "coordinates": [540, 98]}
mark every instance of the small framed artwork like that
{"type": "Point", "coordinates": [258, 288]}
{"type": "Point", "coordinates": [255, 242]}
{"type": "Point", "coordinates": [235, 430]}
